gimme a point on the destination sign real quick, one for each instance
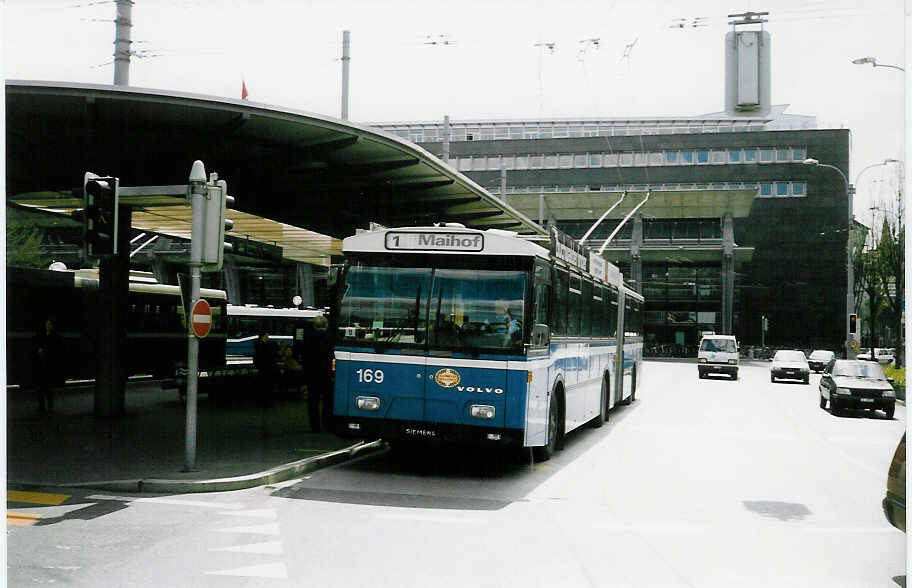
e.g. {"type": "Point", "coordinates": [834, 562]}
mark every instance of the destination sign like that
{"type": "Point", "coordinates": [434, 241]}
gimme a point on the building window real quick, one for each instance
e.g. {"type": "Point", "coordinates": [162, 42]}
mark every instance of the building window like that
{"type": "Point", "coordinates": [486, 133]}
{"type": "Point", "coordinates": [799, 154]}
{"type": "Point", "coordinates": [766, 155]}
{"type": "Point", "coordinates": [590, 131]}
{"type": "Point", "coordinates": [671, 157]}
{"type": "Point", "coordinates": [522, 162]}
{"type": "Point", "coordinates": [625, 159]}
{"type": "Point", "coordinates": [595, 160]}
{"type": "Point", "coordinates": [478, 163]}
{"type": "Point", "coordinates": [639, 159]}
{"type": "Point", "coordinates": [610, 160]}
{"type": "Point", "coordinates": [550, 161]}
{"type": "Point", "coordinates": [576, 131]}
{"type": "Point", "coordinates": [656, 158]}
{"type": "Point", "coordinates": [750, 156]}
{"type": "Point", "coordinates": [782, 155]}
{"type": "Point", "coordinates": [734, 156]}
{"type": "Point", "coordinates": [516, 132]}
{"type": "Point", "coordinates": [545, 132]}
{"type": "Point", "coordinates": [465, 163]}
{"type": "Point", "coordinates": [766, 189]}
{"type": "Point", "coordinates": [580, 160]}
{"type": "Point", "coordinates": [687, 157]}
{"type": "Point", "coordinates": [501, 132]}
{"type": "Point", "coordinates": [718, 156]}
{"type": "Point", "coordinates": [470, 137]}
{"type": "Point", "coordinates": [537, 162]}
{"type": "Point", "coordinates": [530, 133]}
{"type": "Point", "coordinates": [507, 161]}
{"type": "Point", "coordinates": [799, 189]}
{"type": "Point", "coordinates": [782, 189]}
{"type": "Point", "coordinates": [494, 163]}
{"type": "Point", "coordinates": [560, 132]}
{"type": "Point", "coordinates": [566, 160]}
{"type": "Point", "coordinates": [702, 157]}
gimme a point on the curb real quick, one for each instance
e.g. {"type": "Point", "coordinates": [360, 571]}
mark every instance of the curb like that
{"type": "Point", "coordinates": [271, 476]}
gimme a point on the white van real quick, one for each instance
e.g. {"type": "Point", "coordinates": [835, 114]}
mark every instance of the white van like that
{"type": "Point", "coordinates": [718, 354]}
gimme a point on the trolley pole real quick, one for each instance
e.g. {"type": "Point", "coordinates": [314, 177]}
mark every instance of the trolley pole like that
{"type": "Point", "coordinates": [198, 191]}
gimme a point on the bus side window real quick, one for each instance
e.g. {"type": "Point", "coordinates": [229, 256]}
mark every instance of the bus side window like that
{"type": "Point", "coordinates": [586, 309]}
{"type": "Point", "coordinates": [559, 302]}
{"type": "Point", "coordinates": [611, 312]}
{"type": "Point", "coordinates": [574, 304]}
{"type": "Point", "coordinates": [598, 310]}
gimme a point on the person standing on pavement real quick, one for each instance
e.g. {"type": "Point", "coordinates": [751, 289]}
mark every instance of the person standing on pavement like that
{"type": "Point", "coordinates": [265, 357]}
{"type": "Point", "coordinates": [48, 364]}
{"type": "Point", "coordinates": [319, 376]}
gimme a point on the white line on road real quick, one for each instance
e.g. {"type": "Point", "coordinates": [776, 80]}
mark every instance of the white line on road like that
{"type": "Point", "coordinates": [170, 501]}
{"type": "Point", "coordinates": [432, 519]}
{"type": "Point", "coordinates": [261, 513]}
{"type": "Point", "coordinates": [269, 547]}
{"type": "Point", "coordinates": [268, 529]}
{"type": "Point", "coordinates": [274, 570]}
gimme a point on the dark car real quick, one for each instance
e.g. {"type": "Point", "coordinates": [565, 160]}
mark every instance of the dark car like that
{"type": "Point", "coordinates": [894, 503]}
{"type": "Point", "coordinates": [852, 383]}
{"type": "Point", "coordinates": [819, 359]}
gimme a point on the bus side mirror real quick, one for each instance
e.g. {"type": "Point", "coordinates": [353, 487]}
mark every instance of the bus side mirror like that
{"type": "Point", "coordinates": [541, 335]}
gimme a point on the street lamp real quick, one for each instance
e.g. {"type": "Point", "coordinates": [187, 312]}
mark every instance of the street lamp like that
{"type": "Point", "coordinates": [850, 193]}
{"type": "Point", "coordinates": [873, 62]}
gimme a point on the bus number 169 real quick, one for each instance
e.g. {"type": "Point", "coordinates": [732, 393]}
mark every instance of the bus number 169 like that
{"type": "Point", "coordinates": [368, 376]}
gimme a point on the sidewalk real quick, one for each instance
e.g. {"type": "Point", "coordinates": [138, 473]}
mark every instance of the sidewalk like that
{"type": "Point", "coordinates": [238, 445]}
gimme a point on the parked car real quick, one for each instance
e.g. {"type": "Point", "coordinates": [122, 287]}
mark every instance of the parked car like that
{"type": "Point", "coordinates": [718, 354]}
{"type": "Point", "coordinates": [853, 383]}
{"type": "Point", "coordinates": [884, 354]}
{"type": "Point", "coordinates": [792, 364]}
{"type": "Point", "coordinates": [819, 359]}
{"type": "Point", "coordinates": [894, 502]}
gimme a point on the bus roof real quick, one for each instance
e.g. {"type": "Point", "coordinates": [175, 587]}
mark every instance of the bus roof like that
{"type": "Point", "coordinates": [445, 239]}
{"type": "Point", "coordinates": [240, 310]}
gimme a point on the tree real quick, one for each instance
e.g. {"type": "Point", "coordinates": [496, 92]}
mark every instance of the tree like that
{"type": "Point", "coordinates": [892, 263]}
{"type": "Point", "coordinates": [23, 244]}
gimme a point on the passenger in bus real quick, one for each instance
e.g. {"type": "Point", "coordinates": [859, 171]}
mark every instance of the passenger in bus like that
{"type": "Point", "coordinates": [318, 375]}
{"type": "Point", "coordinates": [48, 364]}
{"type": "Point", "coordinates": [265, 357]}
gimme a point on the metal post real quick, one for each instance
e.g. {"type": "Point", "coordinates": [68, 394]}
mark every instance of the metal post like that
{"type": "Point", "coordinates": [346, 58]}
{"type": "Point", "coordinates": [850, 294]}
{"type": "Point", "coordinates": [446, 139]}
{"type": "Point", "coordinates": [198, 190]}
{"type": "Point", "coordinates": [122, 25]}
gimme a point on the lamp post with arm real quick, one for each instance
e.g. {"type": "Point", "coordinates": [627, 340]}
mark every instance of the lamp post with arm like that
{"type": "Point", "coordinates": [850, 273]}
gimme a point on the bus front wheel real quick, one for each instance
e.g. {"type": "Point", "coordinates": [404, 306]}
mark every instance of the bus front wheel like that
{"type": "Point", "coordinates": [545, 452]}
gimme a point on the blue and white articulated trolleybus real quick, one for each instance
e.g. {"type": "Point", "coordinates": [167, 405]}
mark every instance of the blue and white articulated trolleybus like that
{"type": "Point", "coordinates": [454, 334]}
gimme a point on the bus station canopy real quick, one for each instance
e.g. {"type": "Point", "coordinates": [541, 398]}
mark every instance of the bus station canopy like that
{"type": "Point", "coordinates": [301, 181]}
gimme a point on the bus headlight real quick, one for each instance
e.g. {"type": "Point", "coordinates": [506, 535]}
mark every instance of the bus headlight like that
{"type": "Point", "coordinates": [367, 403]}
{"type": "Point", "coordinates": [733, 361]}
{"type": "Point", "coordinates": [702, 360]}
{"type": "Point", "coordinates": [845, 391]}
{"type": "Point", "coordinates": [483, 411]}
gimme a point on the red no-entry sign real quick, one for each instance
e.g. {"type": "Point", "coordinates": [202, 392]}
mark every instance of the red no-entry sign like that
{"type": "Point", "coordinates": [201, 318]}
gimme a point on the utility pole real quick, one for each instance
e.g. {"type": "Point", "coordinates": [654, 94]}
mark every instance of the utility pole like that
{"type": "Point", "coordinates": [346, 58]}
{"type": "Point", "coordinates": [122, 24]}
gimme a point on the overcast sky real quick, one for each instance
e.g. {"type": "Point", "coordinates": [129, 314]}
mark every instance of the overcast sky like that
{"type": "Point", "coordinates": [421, 60]}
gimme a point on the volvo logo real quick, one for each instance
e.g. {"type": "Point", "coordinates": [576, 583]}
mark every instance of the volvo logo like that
{"type": "Point", "coordinates": [480, 389]}
{"type": "Point", "coordinates": [447, 377]}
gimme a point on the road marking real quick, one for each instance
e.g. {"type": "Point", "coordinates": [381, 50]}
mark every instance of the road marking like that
{"type": "Point", "coordinates": [170, 501]}
{"type": "Point", "coordinates": [268, 529]}
{"type": "Point", "coordinates": [432, 519]}
{"type": "Point", "coordinates": [269, 548]}
{"type": "Point", "coordinates": [264, 513]}
{"type": "Point", "coordinates": [21, 519]}
{"type": "Point", "coordinates": [275, 570]}
{"type": "Point", "coordinates": [36, 497]}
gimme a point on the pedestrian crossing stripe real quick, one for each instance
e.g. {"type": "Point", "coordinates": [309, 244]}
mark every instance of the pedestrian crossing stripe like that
{"type": "Point", "coordinates": [21, 519]}
{"type": "Point", "coordinates": [45, 498]}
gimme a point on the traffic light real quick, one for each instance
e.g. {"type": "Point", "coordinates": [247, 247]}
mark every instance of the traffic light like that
{"type": "Point", "coordinates": [215, 224]}
{"type": "Point", "coordinates": [100, 201]}
{"type": "Point", "coordinates": [853, 324]}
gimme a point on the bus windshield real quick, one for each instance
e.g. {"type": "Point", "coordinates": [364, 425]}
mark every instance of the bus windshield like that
{"type": "Point", "coordinates": [456, 309]}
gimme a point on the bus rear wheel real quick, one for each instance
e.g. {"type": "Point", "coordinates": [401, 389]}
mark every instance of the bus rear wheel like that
{"type": "Point", "coordinates": [545, 452]}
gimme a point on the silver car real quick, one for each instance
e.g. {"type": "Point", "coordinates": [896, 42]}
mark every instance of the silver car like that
{"type": "Point", "coordinates": [790, 364]}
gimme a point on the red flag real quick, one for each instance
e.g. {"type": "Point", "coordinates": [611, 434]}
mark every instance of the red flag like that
{"type": "Point", "coordinates": [243, 90]}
